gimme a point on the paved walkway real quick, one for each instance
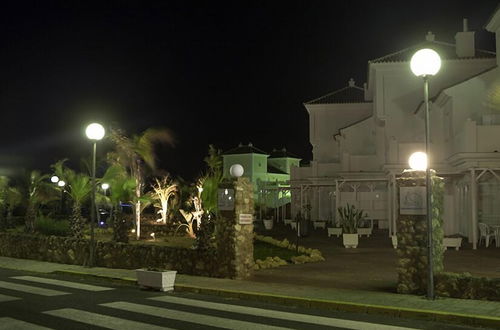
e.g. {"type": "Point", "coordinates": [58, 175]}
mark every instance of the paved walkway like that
{"type": "Point", "coordinates": [471, 312]}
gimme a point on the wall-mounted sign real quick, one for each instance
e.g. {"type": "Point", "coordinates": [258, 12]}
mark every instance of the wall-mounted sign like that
{"type": "Point", "coordinates": [245, 219]}
{"type": "Point", "coordinates": [412, 200]}
{"type": "Point", "coordinates": [225, 199]}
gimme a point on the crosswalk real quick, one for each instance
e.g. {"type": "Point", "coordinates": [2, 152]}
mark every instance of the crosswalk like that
{"type": "Point", "coordinates": [166, 311]}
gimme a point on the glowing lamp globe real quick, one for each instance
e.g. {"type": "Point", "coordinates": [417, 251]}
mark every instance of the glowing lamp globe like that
{"type": "Point", "coordinates": [95, 131]}
{"type": "Point", "coordinates": [54, 179]}
{"type": "Point", "coordinates": [61, 183]}
{"type": "Point", "coordinates": [105, 186]}
{"type": "Point", "coordinates": [236, 170]}
{"type": "Point", "coordinates": [425, 62]}
{"type": "Point", "coordinates": [418, 161]}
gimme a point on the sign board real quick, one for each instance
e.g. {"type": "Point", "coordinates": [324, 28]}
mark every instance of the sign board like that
{"type": "Point", "coordinates": [245, 219]}
{"type": "Point", "coordinates": [412, 200]}
{"type": "Point", "coordinates": [225, 199]}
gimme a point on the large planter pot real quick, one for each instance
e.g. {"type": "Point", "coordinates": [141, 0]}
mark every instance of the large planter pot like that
{"type": "Point", "coordinates": [159, 280]}
{"type": "Point", "coordinates": [319, 224]}
{"type": "Point", "coordinates": [334, 231]}
{"type": "Point", "coordinates": [453, 242]}
{"type": "Point", "coordinates": [350, 240]}
{"type": "Point", "coordinates": [268, 223]}
{"type": "Point", "coordinates": [364, 231]}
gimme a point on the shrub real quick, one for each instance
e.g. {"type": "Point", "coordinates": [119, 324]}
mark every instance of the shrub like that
{"type": "Point", "coordinates": [48, 226]}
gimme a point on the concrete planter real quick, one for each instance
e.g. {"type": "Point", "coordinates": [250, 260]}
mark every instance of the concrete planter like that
{"type": "Point", "coordinates": [319, 224]}
{"type": "Point", "coordinates": [364, 231]}
{"type": "Point", "coordinates": [334, 231]}
{"type": "Point", "coordinates": [160, 280]}
{"type": "Point", "coordinates": [350, 240]}
{"type": "Point", "coordinates": [268, 223]}
{"type": "Point", "coordinates": [453, 242]}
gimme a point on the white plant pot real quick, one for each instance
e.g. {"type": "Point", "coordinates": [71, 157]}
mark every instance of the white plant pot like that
{"type": "Point", "coordinates": [160, 280]}
{"type": "Point", "coordinates": [364, 231]}
{"type": "Point", "coordinates": [394, 240]}
{"type": "Point", "coordinates": [319, 224]}
{"type": "Point", "coordinates": [453, 242]}
{"type": "Point", "coordinates": [268, 224]}
{"type": "Point", "coordinates": [350, 240]}
{"type": "Point", "coordinates": [334, 231]}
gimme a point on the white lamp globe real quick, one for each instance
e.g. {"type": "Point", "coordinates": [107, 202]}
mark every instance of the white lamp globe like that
{"type": "Point", "coordinates": [61, 183]}
{"type": "Point", "coordinates": [236, 170]}
{"type": "Point", "coordinates": [418, 161]}
{"type": "Point", "coordinates": [425, 62]}
{"type": "Point", "coordinates": [105, 186]}
{"type": "Point", "coordinates": [54, 179]}
{"type": "Point", "coordinates": [95, 131]}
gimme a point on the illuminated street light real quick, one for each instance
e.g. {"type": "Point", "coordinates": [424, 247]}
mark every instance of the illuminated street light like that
{"type": "Point", "coordinates": [426, 63]}
{"type": "Point", "coordinates": [61, 183]}
{"type": "Point", "coordinates": [105, 186]}
{"type": "Point", "coordinates": [418, 161]}
{"type": "Point", "coordinates": [54, 179]}
{"type": "Point", "coordinates": [94, 132]}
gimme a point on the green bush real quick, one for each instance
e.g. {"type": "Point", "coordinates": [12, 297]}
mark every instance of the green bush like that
{"type": "Point", "coordinates": [48, 226]}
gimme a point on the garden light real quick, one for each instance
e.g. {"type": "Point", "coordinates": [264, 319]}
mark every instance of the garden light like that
{"type": "Point", "coordinates": [54, 179]}
{"type": "Point", "coordinates": [425, 62]}
{"type": "Point", "coordinates": [95, 131]}
{"type": "Point", "coordinates": [418, 161]}
{"type": "Point", "coordinates": [61, 183]}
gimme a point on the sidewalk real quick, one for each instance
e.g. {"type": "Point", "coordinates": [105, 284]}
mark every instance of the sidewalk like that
{"type": "Point", "coordinates": [470, 312]}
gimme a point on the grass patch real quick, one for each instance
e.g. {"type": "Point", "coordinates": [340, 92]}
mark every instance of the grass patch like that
{"type": "Point", "coordinates": [262, 250]}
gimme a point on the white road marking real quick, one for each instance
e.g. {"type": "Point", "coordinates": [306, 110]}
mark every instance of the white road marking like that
{"type": "Point", "coordinates": [311, 319]}
{"type": "Point", "coordinates": [7, 298]}
{"type": "Point", "coordinates": [31, 289]}
{"type": "Point", "coordinates": [104, 321]}
{"type": "Point", "coordinates": [7, 323]}
{"type": "Point", "coordinates": [197, 318]}
{"type": "Point", "coordinates": [68, 284]}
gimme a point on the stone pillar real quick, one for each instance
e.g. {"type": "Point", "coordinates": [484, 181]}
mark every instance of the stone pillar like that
{"type": "Point", "coordinates": [234, 228]}
{"type": "Point", "coordinates": [412, 231]}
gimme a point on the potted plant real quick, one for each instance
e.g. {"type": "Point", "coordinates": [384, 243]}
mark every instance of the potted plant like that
{"type": "Point", "coordinates": [349, 219]}
{"type": "Point", "coordinates": [268, 218]}
{"type": "Point", "coordinates": [364, 228]}
{"type": "Point", "coordinates": [158, 279]}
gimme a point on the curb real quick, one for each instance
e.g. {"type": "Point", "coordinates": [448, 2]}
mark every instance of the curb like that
{"type": "Point", "coordinates": [332, 305]}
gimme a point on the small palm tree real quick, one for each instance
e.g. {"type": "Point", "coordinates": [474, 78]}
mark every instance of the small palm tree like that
{"type": "Point", "coordinates": [163, 190]}
{"type": "Point", "coordinates": [121, 190]}
{"type": "Point", "coordinates": [39, 191]}
{"type": "Point", "coordinates": [211, 180]}
{"type": "Point", "coordinates": [137, 155]}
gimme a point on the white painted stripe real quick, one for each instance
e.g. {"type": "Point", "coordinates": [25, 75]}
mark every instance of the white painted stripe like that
{"type": "Point", "coordinates": [109, 322]}
{"type": "Point", "coordinates": [66, 284]}
{"type": "Point", "coordinates": [8, 323]}
{"type": "Point", "coordinates": [30, 289]}
{"type": "Point", "coordinates": [7, 298]}
{"type": "Point", "coordinates": [311, 319]}
{"type": "Point", "coordinates": [205, 320]}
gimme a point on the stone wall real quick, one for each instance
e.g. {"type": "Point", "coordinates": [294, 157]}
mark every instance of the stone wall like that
{"type": "Point", "coordinates": [110, 254]}
{"type": "Point", "coordinates": [412, 237]}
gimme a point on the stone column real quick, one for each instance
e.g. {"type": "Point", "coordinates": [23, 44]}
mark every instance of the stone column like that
{"type": "Point", "coordinates": [234, 228]}
{"type": "Point", "coordinates": [412, 232]}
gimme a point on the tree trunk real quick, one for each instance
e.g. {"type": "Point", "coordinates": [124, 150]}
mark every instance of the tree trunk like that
{"type": "Point", "coordinates": [119, 227]}
{"type": "Point", "coordinates": [76, 221]}
{"type": "Point", "coordinates": [30, 218]}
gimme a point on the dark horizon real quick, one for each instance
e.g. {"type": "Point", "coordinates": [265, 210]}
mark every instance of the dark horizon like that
{"type": "Point", "coordinates": [214, 73]}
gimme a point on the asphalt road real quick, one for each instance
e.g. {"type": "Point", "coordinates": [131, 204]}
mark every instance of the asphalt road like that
{"type": "Point", "coordinates": [55, 301]}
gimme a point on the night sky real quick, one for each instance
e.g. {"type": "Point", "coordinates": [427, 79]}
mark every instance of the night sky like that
{"type": "Point", "coordinates": [212, 72]}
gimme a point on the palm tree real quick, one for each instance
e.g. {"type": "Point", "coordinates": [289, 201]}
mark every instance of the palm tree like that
{"type": "Point", "coordinates": [121, 189]}
{"type": "Point", "coordinates": [137, 155]}
{"type": "Point", "coordinates": [162, 191]}
{"type": "Point", "coordinates": [39, 191]}
{"type": "Point", "coordinates": [210, 181]}
{"type": "Point", "coordinates": [79, 188]}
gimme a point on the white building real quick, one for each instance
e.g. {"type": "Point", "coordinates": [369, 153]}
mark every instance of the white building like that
{"type": "Point", "coordinates": [362, 136]}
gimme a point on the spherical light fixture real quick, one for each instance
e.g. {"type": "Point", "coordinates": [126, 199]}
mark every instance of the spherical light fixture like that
{"type": "Point", "coordinates": [54, 179]}
{"type": "Point", "coordinates": [418, 161]}
{"type": "Point", "coordinates": [425, 62]}
{"type": "Point", "coordinates": [95, 131]}
{"type": "Point", "coordinates": [105, 186]}
{"type": "Point", "coordinates": [61, 183]}
{"type": "Point", "coordinates": [236, 170]}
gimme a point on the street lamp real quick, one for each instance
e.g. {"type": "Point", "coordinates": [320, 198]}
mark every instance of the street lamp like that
{"type": "Point", "coordinates": [425, 63]}
{"type": "Point", "coordinates": [94, 132]}
{"type": "Point", "coordinates": [54, 179]}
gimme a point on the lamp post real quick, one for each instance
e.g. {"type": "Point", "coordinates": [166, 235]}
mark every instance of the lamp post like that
{"type": "Point", "coordinates": [61, 184]}
{"type": "Point", "coordinates": [426, 63]}
{"type": "Point", "coordinates": [94, 132]}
